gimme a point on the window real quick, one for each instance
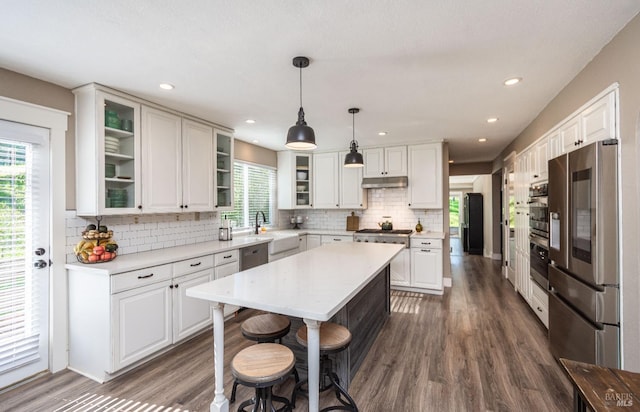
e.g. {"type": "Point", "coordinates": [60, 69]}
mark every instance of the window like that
{"type": "Point", "coordinates": [254, 189]}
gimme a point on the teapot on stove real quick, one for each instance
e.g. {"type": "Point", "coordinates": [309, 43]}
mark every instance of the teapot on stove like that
{"type": "Point", "coordinates": [386, 223]}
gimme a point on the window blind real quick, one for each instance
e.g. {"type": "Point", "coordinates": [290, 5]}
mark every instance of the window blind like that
{"type": "Point", "coordinates": [254, 190]}
{"type": "Point", "coordinates": [19, 323]}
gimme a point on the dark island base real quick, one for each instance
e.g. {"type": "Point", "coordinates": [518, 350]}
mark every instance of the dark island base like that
{"type": "Point", "coordinates": [364, 315]}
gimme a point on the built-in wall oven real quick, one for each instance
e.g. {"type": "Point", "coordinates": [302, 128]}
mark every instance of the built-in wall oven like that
{"type": "Point", "coordinates": [539, 234]}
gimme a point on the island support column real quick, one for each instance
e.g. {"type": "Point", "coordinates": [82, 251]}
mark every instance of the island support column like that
{"type": "Point", "coordinates": [313, 358]}
{"type": "Point", "coordinates": [220, 402]}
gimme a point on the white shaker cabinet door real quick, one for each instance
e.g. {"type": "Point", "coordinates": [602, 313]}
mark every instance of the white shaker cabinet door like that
{"type": "Point", "coordinates": [161, 162]}
{"type": "Point", "coordinates": [326, 181]}
{"type": "Point", "coordinates": [425, 176]}
{"type": "Point", "coordinates": [395, 159]}
{"type": "Point", "coordinates": [141, 323]}
{"type": "Point", "coordinates": [190, 315]}
{"type": "Point", "coordinates": [426, 268]}
{"type": "Point", "coordinates": [197, 166]}
{"type": "Point", "coordinates": [352, 195]}
{"type": "Point", "coordinates": [401, 269]}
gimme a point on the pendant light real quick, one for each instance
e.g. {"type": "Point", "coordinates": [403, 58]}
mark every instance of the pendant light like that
{"type": "Point", "coordinates": [353, 158]}
{"type": "Point", "coordinates": [301, 136]}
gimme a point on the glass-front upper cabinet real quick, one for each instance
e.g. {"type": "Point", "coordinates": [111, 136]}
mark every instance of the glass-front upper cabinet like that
{"type": "Point", "coordinates": [107, 153]}
{"type": "Point", "coordinates": [224, 170]}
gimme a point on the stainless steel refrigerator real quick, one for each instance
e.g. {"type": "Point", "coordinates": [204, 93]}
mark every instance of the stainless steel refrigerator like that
{"type": "Point", "coordinates": [584, 314]}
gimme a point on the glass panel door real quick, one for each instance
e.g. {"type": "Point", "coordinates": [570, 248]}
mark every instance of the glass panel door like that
{"type": "Point", "coordinates": [24, 251]}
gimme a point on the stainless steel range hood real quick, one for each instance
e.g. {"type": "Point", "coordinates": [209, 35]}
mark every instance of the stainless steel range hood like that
{"type": "Point", "coordinates": [380, 182]}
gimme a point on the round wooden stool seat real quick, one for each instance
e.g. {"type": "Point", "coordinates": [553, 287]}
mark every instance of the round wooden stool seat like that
{"type": "Point", "coordinates": [265, 328]}
{"type": "Point", "coordinates": [263, 365]}
{"type": "Point", "coordinates": [333, 337]}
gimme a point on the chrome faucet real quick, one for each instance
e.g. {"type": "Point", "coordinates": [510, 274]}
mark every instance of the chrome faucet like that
{"type": "Point", "coordinates": [264, 220]}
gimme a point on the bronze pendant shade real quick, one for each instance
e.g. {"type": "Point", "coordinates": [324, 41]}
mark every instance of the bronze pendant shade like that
{"type": "Point", "coordinates": [353, 158]}
{"type": "Point", "coordinates": [301, 136]}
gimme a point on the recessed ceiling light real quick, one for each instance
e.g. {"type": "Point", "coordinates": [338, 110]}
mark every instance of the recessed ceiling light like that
{"type": "Point", "coordinates": [250, 121]}
{"type": "Point", "coordinates": [450, 161]}
{"type": "Point", "coordinates": [166, 86]}
{"type": "Point", "coordinates": [256, 141]}
{"type": "Point", "coordinates": [513, 81]}
{"type": "Point", "coordinates": [492, 120]}
{"type": "Point", "coordinates": [382, 133]}
{"type": "Point", "coordinates": [482, 139]}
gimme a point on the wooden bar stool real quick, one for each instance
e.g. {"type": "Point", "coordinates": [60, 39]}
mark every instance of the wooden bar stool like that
{"type": "Point", "coordinates": [265, 328]}
{"type": "Point", "coordinates": [334, 338]}
{"type": "Point", "coordinates": [261, 367]}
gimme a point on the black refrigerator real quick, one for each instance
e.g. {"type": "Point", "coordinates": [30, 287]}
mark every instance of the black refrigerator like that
{"type": "Point", "coordinates": [473, 235]}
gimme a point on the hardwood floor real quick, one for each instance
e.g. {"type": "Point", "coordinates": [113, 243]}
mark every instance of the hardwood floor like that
{"type": "Point", "coordinates": [476, 348]}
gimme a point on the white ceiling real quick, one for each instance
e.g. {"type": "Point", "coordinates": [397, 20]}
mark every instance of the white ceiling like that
{"type": "Point", "coordinates": [420, 70]}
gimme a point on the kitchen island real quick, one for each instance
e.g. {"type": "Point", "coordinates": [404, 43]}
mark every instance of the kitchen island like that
{"type": "Point", "coordinates": [314, 285]}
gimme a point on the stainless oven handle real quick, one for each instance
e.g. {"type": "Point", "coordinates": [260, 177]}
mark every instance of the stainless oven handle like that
{"type": "Point", "coordinates": [539, 240]}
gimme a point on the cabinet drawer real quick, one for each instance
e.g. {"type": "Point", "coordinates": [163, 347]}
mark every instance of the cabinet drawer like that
{"type": "Point", "coordinates": [139, 278]}
{"type": "Point", "coordinates": [427, 243]}
{"type": "Point", "coordinates": [541, 308]}
{"type": "Point", "coordinates": [191, 265]}
{"type": "Point", "coordinates": [336, 238]}
{"type": "Point", "coordinates": [226, 257]}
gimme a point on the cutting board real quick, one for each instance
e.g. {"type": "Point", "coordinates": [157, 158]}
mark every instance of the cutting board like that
{"type": "Point", "coordinates": [353, 222]}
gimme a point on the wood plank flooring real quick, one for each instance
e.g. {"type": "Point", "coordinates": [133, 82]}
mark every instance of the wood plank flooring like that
{"type": "Point", "coordinates": [476, 348]}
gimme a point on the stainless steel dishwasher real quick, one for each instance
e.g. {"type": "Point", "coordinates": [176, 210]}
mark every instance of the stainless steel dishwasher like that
{"type": "Point", "coordinates": [253, 256]}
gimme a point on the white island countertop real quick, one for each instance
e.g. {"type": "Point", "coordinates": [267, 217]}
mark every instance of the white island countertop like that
{"type": "Point", "coordinates": [314, 284]}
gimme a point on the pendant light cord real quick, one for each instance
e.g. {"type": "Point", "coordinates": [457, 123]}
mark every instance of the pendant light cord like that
{"type": "Point", "coordinates": [353, 126]}
{"type": "Point", "coordinates": [300, 86]}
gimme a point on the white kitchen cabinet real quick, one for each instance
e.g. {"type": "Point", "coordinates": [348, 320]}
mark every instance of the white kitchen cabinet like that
{"type": "Point", "coordinates": [118, 320]}
{"type": "Point", "coordinates": [190, 315]}
{"type": "Point", "coordinates": [571, 134]}
{"type": "Point", "coordinates": [224, 171]}
{"type": "Point", "coordinates": [598, 121]}
{"type": "Point", "coordinates": [352, 195]}
{"type": "Point", "coordinates": [385, 161]}
{"type": "Point", "coordinates": [98, 147]}
{"type": "Point", "coordinates": [295, 186]}
{"type": "Point", "coordinates": [425, 176]}
{"type": "Point", "coordinates": [556, 144]}
{"type": "Point", "coordinates": [313, 241]}
{"type": "Point", "coordinates": [401, 269]}
{"type": "Point", "coordinates": [177, 163]}
{"type": "Point", "coordinates": [141, 323]}
{"type": "Point", "coordinates": [162, 161]}
{"type": "Point", "coordinates": [540, 157]}
{"type": "Point", "coordinates": [540, 303]}
{"type": "Point", "coordinates": [326, 181]}
{"type": "Point", "coordinates": [197, 166]}
{"type": "Point", "coordinates": [336, 238]}
{"type": "Point", "coordinates": [226, 264]}
{"type": "Point", "coordinates": [426, 267]}
{"type": "Point", "coordinates": [303, 243]}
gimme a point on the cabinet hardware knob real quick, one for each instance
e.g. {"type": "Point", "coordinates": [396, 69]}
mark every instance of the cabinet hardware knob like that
{"type": "Point", "coordinates": [186, 206]}
{"type": "Point", "coordinates": [216, 205]}
{"type": "Point", "coordinates": [145, 276]}
{"type": "Point", "coordinates": [195, 264]}
{"type": "Point", "coordinates": [361, 205]}
{"type": "Point", "coordinates": [409, 204]}
{"type": "Point", "coordinates": [140, 207]}
{"type": "Point", "coordinates": [170, 286]}
{"type": "Point", "coordinates": [337, 205]}
{"type": "Point", "coordinates": [539, 310]}
{"type": "Point", "coordinates": [177, 286]}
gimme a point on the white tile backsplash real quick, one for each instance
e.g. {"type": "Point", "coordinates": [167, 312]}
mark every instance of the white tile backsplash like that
{"type": "Point", "coordinates": [381, 202]}
{"type": "Point", "coordinates": [150, 232]}
{"type": "Point", "coordinates": [146, 232]}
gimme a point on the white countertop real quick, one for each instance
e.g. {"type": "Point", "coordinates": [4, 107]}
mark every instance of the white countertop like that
{"type": "Point", "coordinates": [314, 284]}
{"type": "Point", "coordinates": [134, 261]}
{"type": "Point", "coordinates": [428, 235]}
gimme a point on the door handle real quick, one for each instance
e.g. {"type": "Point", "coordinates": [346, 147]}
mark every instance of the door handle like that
{"type": "Point", "coordinates": [39, 264]}
{"type": "Point", "coordinates": [39, 251]}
